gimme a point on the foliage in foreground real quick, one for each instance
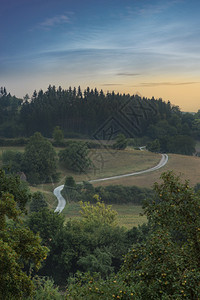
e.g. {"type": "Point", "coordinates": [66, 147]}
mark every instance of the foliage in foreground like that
{"type": "Point", "coordinates": [38, 202]}
{"type": "Point", "coordinates": [45, 289]}
{"type": "Point", "coordinates": [20, 248]}
{"type": "Point", "coordinates": [92, 243]}
{"type": "Point", "coordinates": [167, 265]}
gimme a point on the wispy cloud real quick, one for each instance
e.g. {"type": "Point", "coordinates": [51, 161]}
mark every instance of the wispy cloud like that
{"type": "Point", "coordinates": [54, 21]}
{"type": "Point", "coordinates": [153, 84]}
{"type": "Point", "coordinates": [128, 74]}
{"type": "Point", "coordinates": [152, 9]}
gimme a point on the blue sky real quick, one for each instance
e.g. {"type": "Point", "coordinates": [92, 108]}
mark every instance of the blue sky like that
{"type": "Point", "coordinates": [134, 46]}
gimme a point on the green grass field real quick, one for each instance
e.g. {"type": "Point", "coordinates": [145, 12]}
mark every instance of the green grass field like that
{"type": "Point", "coordinates": [128, 214]}
{"type": "Point", "coordinates": [188, 167]}
{"type": "Point", "coordinates": [106, 163]}
{"type": "Point", "coordinates": [110, 163]}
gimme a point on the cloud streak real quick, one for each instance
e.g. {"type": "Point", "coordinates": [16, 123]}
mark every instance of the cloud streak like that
{"type": "Point", "coordinates": [111, 84]}
{"type": "Point", "coordinates": [154, 84]}
{"type": "Point", "coordinates": [128, 74]}
{"type": "Point", "coordinates": [152, 9]}
{"type": "Point", "coordinates": [54, 21]}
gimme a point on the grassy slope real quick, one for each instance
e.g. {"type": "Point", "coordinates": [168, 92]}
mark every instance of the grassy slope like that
{"type": "Point", "coordinates": [125, 162]}
{"type": "Point", "coordinates": [186, 166]}
{"type": "Point", "coordinates": [110, 163]}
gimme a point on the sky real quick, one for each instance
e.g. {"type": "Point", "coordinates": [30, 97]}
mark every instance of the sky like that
{"type": "Point", "coordinates": [145, 47]}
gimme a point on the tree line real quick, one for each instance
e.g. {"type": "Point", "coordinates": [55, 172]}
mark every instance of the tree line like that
{"type": "Point", "coordinates": [39, 161]}
{"type": "Point", "coordinates": [111, 194]}
{"type": "Point", "coordinates": [94, 114]}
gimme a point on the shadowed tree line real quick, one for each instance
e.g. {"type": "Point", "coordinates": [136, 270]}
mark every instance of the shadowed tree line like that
{"type": "Point", "coordinates": [76, 112]}
{"type": "Point", "coordinates": [82, 114]}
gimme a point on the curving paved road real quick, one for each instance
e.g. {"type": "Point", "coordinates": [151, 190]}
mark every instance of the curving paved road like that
{"type": "Point", "coordinates": [62, 201]}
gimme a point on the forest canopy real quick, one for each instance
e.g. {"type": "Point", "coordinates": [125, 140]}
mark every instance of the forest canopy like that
{"type": "Point", "coordinates": [99, 116]}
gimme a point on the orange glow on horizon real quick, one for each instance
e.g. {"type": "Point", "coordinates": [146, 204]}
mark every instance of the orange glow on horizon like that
{"type": "Point", "coordinates": [182, 93]}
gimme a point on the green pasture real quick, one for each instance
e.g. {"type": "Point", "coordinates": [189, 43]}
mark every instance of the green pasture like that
{"type": "Point", "coordinates": [129, 215]}
{"type": "Point", "coordinates": [109, 163]}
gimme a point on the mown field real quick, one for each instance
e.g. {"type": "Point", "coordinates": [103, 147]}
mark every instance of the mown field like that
{"type": "Point", "coordinates": [188, 167]}
{"type": "Point", "coordinates": [109, 163]}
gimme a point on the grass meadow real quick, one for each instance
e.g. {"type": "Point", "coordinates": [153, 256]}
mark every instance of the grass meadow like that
{"type": "Point", "coordinates": [128, 215]}
{"type": "Point", "coordinates": [109, 163]}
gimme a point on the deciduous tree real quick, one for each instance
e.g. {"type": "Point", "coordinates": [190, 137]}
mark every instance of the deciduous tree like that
{"type": "Point", "coordinates": [75, 157]}
{"type": "Point", "coordinates": [58, 136]}
{"type": "Point", "coordinates": [19, 246]}
{"type": "Point", "coordinates": [167, 264]}
{"type": "Point", "coordinates": [120, 143]}
{"type": "Point", "coordinates": [38, 202]}
{"type": "Point", "coordinates": [39, 160]}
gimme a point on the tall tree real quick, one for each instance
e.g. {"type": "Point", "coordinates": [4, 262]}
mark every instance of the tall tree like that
{"type": "Point", "coordinates": [120, 142]}
{"type": "Point", "coordinates": [39, 160]}
{"type": "Point", "coordinates": [18, 245]}
{"type": "Point", "coordinates": [75, 157]}
{"type": "Point", "coordinates": [38, 202]}
{"type": "Point", "coordinates": [58, 136]}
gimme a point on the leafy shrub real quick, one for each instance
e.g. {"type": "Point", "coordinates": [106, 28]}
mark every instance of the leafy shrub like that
{"type": "Point", "coordinates": [75, 157]}
{"type": "Point", "coordinates": [12, 160]}
{"type": "Point", "coordinates": [45, 289]}
{"type": "Point", "coordinates": [38, 202]}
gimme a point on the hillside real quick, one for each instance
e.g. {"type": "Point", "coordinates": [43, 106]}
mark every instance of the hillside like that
{"type": "Point", "coordinates": [186, 166]}
{"type": "Point", "coordinates": [108, 163]}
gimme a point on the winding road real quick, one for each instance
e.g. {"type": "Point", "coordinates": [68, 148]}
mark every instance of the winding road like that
{"type": "Point", "coordinates": [62, 201]}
